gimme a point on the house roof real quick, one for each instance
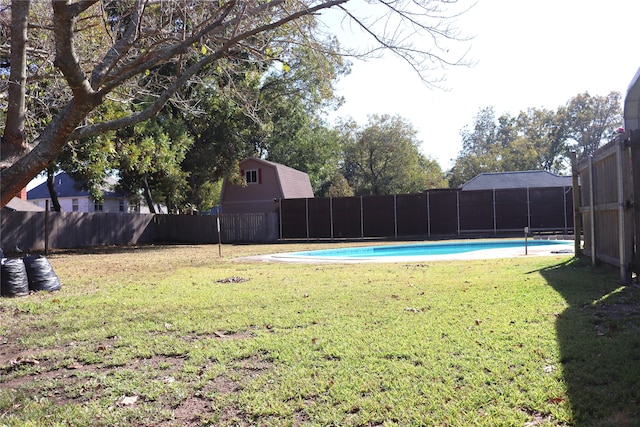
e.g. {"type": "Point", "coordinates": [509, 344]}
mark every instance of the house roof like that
{"type": "Point", "coordinates": [17, 204]}
{"type": "Point", "coordinates": [507, 180]}
{"type": "Point", "coordinates": [294, 184]}
{"type": "Point", "coordinates": [67, 187]}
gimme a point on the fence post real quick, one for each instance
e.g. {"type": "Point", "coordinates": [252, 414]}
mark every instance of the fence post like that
{"type": "Point", "coordinates": [577, 218]}
{"type": "Point", "coordinates": [564, 208]}
{"type": "Point", "coordinates": [361, 218]}
{"type": "Point", "coordinates": [331, 215]}
{"type": "Point", "coordinates": [280, 209]}
{"type": "Point", "coordinates": [395, 216]}
{"type": "Point", "coordinates": [528, 210]}
{"type": "Point", "coordinates": [428, 216]}
{"type": "Point", "coordinates": [635, 184]}
{"type": "Point", "coordinates": [592, 206]}
{"type": "Point", "coordinates": [623, 255]}
{"type": "Point", "coordinates": [306, 212]}
{"type": "Point", "coordinates": [458, 210]}
{"type": "Point", "coordinates": [495, 217]}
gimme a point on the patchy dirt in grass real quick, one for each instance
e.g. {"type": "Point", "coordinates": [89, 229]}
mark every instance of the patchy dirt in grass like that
{"type": "Point", "coordinates": [63, 380]}
{"type": "Point", "coordinates": [189, 412]}
{"type": "Point", "coordinates": [198, 408]}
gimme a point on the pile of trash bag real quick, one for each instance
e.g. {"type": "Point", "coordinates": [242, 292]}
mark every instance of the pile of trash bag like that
{"type": "Point", "coordinates": [19, 276]}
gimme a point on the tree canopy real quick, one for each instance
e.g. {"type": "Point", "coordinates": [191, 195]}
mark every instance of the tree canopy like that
{"type": "Point", "coordinates": [66, 59]}
{"type": "Point", "coordinates": [383, 157]}
{"type": "Point", "coordinates": [537, 138]}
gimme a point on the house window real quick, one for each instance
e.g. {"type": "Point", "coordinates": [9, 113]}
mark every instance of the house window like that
{"type": "Point", "coordinates": [121, 206]}
{"type": "Point", "coordinates": [74, 205]}
{"type": "Point", "coordinates": [97, 207]}
{"type": "Point", "coordinates": [251, 176]}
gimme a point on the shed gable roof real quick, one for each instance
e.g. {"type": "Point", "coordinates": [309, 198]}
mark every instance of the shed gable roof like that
{"type": "Point", "coordinates": [294, 184]}
{"type": "Point", "coordinates": [524, 179]}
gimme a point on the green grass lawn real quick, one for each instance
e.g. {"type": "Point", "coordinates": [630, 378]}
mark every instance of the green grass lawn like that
{"type": "Point", "coordinates": [176, 336]}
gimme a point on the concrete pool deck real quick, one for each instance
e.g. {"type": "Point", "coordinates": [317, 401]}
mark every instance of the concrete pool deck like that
{"type": "Point", "coordinates": [560, 250]}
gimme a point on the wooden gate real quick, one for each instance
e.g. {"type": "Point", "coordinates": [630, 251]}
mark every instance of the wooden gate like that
{"type": "Point", "coordinates": [609, 189]}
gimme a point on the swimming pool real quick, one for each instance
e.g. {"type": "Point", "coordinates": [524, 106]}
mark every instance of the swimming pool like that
{"type": "Point", "coordinates": [436, 250]}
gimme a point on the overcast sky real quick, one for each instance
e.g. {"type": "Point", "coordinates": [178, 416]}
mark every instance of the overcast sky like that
{"type": "Point", "coordinates": [528, 54]}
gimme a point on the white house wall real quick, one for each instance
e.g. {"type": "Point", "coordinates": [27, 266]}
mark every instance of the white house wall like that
{"type": "Point", "coordinates": [84, 204]}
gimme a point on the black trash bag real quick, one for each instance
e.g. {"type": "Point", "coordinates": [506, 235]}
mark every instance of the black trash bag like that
{"type": "Point", "coordinates": [40, 274]}
{"type": "Point", "coordinates": [14, 281]}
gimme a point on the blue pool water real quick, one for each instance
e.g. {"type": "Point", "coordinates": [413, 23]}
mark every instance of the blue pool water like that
{"type": "Point", "coordinates": [441, 248]}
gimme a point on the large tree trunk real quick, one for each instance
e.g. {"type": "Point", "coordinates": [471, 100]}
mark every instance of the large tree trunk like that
{"type": "Point", "coordinates": [46, 148]}
{"type": "Point", "coordinates": [14, 140]}
{"type": "Point", "coordinates": [148, 198]}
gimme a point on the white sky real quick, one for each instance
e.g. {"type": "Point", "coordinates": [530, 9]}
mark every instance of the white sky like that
{"type": "Point", "coordinates": [528, 54]}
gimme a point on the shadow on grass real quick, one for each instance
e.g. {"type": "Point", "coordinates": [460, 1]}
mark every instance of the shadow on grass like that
{"type": "Point", "coordinates": [599, 341]}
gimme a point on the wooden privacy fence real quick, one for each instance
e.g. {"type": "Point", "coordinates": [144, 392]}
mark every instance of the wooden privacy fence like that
{"type": "Point", "coordinates": [432, 213]}
{"type": "Point", "coordinates": [610, 203]}
{"type": "Point", "coordinates": [32, 231]}
{"type": "Point", "coordinates": [37, 231]}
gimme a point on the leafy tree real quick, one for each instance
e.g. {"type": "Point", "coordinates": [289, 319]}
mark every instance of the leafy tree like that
{"type": "Point", "coordinates": [384, 158]}
{"type": "Point", "coordinates": [222, 135]}
{"type": "Point", "coordinates": [480, 148]}
{"type": "Point", "coordinates": [338, 187]}
{"type": "Point", "coordinates": [148, 157]}
{"type": "Point", "coordinates": [292, 100]}
{"type": "Point", "coordinates": [278, 119]}
{"type": "Point", "coordinates": [282, 125]}
{"type": "Point", "coordinates": [591, 120]}
{"type": "Point", "coordinates": [309, 145]}
{"type": "Point", "coordinates": [542, 140]}
{"type": "Point", "coordinates": [87, 53]}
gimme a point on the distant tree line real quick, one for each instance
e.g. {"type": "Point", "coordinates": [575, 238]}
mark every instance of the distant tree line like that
{"type": "Point", "coordinates": [537, 138]}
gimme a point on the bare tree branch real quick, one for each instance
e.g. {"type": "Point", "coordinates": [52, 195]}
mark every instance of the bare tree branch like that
{"type": "Point", "coordinates": [139, 50]}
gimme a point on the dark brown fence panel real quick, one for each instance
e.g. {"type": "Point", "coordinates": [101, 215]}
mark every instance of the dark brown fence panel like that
{"type": "Point", "coordinates": [512, 209]}
{"type": "Point", "coordinates": [293, 218]}
{"type": "Point", "coordinates": [548, 207]}
{"type": "Point", "coordinates": [379, 216]}
{"type": "Point", "coordinates": [347, 217]}
{"type": "Point", "coordinates": [412, 215]}
{"type": "Point", "coordinates": [320, 220]}
{"type": "Point", "coordinates": [477, 211]}
{"type": "Point", "coordinates": [196, 229]}
{"type": "Point", "coordinates": [443, 212]}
